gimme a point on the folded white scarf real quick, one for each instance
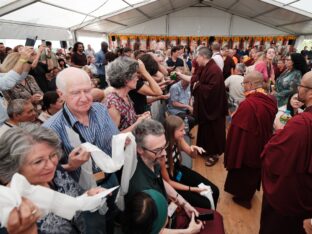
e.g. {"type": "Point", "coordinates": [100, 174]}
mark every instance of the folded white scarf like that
{"type": "Point", "coordinates": [47, 200]}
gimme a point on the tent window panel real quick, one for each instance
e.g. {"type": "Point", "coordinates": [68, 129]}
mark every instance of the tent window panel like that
{"type": "Point", "coordinates": [40, 13]}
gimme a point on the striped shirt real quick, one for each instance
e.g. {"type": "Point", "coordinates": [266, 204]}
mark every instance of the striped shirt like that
{"type": "Point", "coordinates": [99, 132]}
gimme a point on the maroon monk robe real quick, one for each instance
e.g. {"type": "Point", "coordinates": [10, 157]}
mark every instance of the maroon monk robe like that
{"type": "Point", "coordinates": [210, 108]}
{"type": "Point", "coordinates": [250, 62]}
{"type": "Point", "coordinates": [228, 66]}
{"type": "Point", "coordinates": [287, 176]}
{"type": "Point", "coordinates": [250, 130]}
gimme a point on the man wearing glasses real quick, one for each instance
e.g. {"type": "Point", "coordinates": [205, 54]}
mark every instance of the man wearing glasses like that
{"type": "Point", "coordinates": [151, 150]}
{"type": "Point", "coordinates": [251, 128]}
{"type": "Point", "coordinates": [287, 172]}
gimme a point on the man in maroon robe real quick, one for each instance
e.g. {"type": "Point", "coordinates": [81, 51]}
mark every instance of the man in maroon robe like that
{"type": "Point", "coordinates": [287, 171]}
{"type": "Point", "coordinates": [250, 130]}
{"type": "Point", "coordinates": [210, 106]}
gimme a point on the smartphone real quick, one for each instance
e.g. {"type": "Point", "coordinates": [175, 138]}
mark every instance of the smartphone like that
{"type": "Point", "coordinates": [205, 216]}
{"type": "Point", "coordinates": [43, 42]}
{"type": "Point", "coordinates": [30, 42]}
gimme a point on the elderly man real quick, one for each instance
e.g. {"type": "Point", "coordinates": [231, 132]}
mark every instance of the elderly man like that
{"type": "Point", "coordinates": [210, 106]}
{"type": "Point", "coordinates": [90, 121]}
{"type": "Point", "coordinates": [19, 110]}
{"type": "Point", "coordinates": [250, 129]}
{"type": "Point", "coordinates": [287, 172]}
{"type": "Point", "coordinates": [234, 83]}
{"type": "Point", "coordinates": [151, 150]}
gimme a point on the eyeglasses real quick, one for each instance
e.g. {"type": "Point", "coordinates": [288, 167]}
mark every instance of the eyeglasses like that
{"type": "Point", "coordinates": [42, 162]}
{"type": "Point", "coordinates": [307, 87]}
{"type": "Point", "coordinates": [157, 152]}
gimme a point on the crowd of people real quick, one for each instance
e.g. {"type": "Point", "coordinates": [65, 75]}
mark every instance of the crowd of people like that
{"type": "Point", "coordinates": [252, 106]}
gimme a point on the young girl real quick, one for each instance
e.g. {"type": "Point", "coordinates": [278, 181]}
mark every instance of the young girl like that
{"type": "Point", "coordinates": [181, 178]}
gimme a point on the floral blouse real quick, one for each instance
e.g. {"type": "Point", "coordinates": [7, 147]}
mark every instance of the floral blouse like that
{"type": "Point", "coordinates": [127, 112]}
{"type": "Point", "coordinates": [286, 84]}
{"type": "Point", "coordinates": [24, 91]}
{"type": "Point", "coordinates": [53, 224]}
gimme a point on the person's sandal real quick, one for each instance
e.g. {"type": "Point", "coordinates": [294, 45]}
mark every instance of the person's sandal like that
{"type": "Point", "coordinates": [212, 160]}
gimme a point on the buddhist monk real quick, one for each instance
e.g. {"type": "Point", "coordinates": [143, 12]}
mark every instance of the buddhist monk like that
{"type": "Point", "coordinates": [250, 130]}
{"type": "Point", "coordinates": [210, 106]}
{"type": "Point", "coordinates": [287, 171]}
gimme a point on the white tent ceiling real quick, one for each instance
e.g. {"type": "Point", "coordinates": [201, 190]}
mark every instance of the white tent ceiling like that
{"type": "Point", "coordinates": [56, 17]}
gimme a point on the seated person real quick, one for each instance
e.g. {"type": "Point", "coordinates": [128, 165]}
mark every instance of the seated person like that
{"type": "Point", "coordinates": [234, 84]}
{"type": "Point", "coordinates": [151, 150]}
{"type": "Point", "coordinates": [293, 105]}
{"type": "Point", "coordinates": [181, 178]}
{"type": "Point", "coordinates": [147, 213]}
{"type": "Point", "coordinates": [179, 102]}
{"type": "Point", "coordinates": [19, 110]}
{"type": "Point", "coordinates": [34, 152]}
{"type": "Point", "coordinates": [51, 103]}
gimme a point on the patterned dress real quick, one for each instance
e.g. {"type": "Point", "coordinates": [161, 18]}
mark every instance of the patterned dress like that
{"type": "Point", "coordinates": [287, 84]}
{"type": "Point", "coordinates": [126, 110]}
{"type": "Point", "coordinates": [53, 224]}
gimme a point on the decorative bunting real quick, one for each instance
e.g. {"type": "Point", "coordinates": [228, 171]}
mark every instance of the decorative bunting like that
{"type": "Point", "coordinates": [154, 42]}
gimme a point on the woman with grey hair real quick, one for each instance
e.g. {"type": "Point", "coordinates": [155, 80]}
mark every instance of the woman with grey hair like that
{"type": "Point", "coordinates": [122, 74]}
{"type": "Point", "coordinates": [34, 152]}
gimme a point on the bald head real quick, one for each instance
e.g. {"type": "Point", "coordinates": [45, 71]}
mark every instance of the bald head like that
{"type": "Point", "coordinates": [255, 79]}
{"type": "Point", "coordinates": [70, 77]}
{"type": "Point", "coordinates": [307, 79]}
{"type": "Point", "coordinates": [305, 89]}
{"type": "Point", "coordinates": [215, 46]}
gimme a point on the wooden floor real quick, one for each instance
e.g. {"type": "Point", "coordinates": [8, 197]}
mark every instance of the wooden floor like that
{"type": "Point", "coordinates": [237, 220]}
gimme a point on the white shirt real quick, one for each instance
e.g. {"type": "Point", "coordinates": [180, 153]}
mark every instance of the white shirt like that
{"type": "Point", "coordinates": [218, 59]}
{"type": "Point", "coordinates": [5, 127]}
{"type": "Point", "coordinates": [236, 90]}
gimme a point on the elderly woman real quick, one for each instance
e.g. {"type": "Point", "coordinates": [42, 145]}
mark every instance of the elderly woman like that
{"type": "Point", "coordinates": [25, 89]}
{"type": "Point", "coordinates": [289, 80]}
{"type": "Point", "coordinates": [122, 75]}
{"type": "Point", "coordinates": [34, 152]}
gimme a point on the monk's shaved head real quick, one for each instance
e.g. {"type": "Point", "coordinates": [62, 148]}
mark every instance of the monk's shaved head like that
{"type": "Point", "coordinates": [254, 77]}
{"type": "Point", "coordinates": [307, 79]}
{"type": "Point", "coordinates": [305, 88]}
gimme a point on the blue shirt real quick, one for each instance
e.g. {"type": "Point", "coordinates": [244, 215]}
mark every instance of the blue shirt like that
{"type": "Point", "coordinates": [8, 81]}
{"type": "Point", "coordinates": [178, 94]}
{"type": "Point", "coordinates": [99, 132]}
{"type": "Point", "coordinates": [100, 62]}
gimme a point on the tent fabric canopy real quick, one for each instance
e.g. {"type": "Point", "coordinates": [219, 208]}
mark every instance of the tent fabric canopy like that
{"type": "Point", "coordinates": [287, 16]}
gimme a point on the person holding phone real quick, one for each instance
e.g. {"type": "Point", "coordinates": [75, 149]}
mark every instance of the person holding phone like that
{"type": "Point", "coordinates": [48, 56]}
{"type": "Point", "coordinates": [12, 74]}
{"type": "Point", "coordinates": [25, 89]}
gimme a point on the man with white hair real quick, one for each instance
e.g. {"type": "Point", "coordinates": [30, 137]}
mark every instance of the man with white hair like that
{"type": "Point", "coordinates": [234, 84]}
{"type": "Point", "coordinates": [93, 124]}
